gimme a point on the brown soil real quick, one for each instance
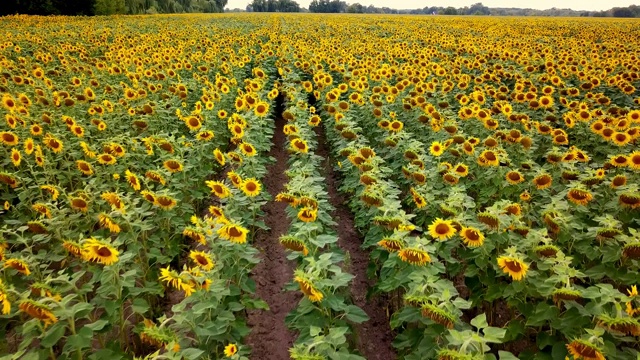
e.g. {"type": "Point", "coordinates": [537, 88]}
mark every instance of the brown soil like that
{"type": "Point", "coordinates": [373, 337]}
{"type": "Point", "coordinates": [269, 337]}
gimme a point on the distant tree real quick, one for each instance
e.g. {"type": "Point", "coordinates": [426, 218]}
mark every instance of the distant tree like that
{"type": "Point", "coordinates": [623, 13]}
{"type": "Point", "coordinates": [355, 8]}
{"type": "Point", "coordinates": [478, 9]}
{"type": "Point", "coordinates": [274, 6]}
{"type": "Point", "coordinates": [109, 7]}
{"type": "Point", "coordinates": [326, 6]}
{"type": "Point", "coordinates": [450, 11]}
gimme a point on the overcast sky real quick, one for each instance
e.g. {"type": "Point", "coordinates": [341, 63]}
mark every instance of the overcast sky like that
{"type": "Point", "coordinates": [419, 4]}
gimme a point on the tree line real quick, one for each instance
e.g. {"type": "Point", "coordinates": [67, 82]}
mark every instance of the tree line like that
{"type": "Point", "coordinates": [338, 6]}
{"type": "Point", "coordinates": [109, 7]}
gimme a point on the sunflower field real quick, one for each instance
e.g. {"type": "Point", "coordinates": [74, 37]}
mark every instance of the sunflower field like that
{"type": "Point", "coordinates": [491, 167]}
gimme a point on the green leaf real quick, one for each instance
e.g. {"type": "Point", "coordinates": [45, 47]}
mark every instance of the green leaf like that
{"type": "Point", "coordinates": [480, 321]}
{"type": "Point", "coordinates": [98, 325]}
{"type": "Point", "coordinates": [80, 310]}
{"type": "Point", "coordinates": [53, 335]}
{"type": "Point", "coordinates": [322, 240]}
{"type": "Point", "coordinates": [494, 334]}
{"type": "Point", "coordinates": [355, 314]}
{"type": "Point", "coordinates": [139, 306]}
{"type": "Point", "coordinates": [505, 355]}
{"type": "Point", "coordinates": [191, 353]}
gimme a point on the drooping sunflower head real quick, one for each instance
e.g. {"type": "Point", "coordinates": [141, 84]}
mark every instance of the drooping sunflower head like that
{"type": "Point", "coordinates": [293, 243]}
{"type": "Point", "coordinates": [391, 244]}
{"type": "Point", "coordinates": [414, 256]}
{"type": "Point", "coordinates": [565, 294]}
{"type": "Point", "coordinates": [438, 315]}
{"type": "Point", "coordinates": [38, 311]}
{"type": "Point", "coordinates": [579, 196]}
{"type": "Point", "coordinates": [581, 349]}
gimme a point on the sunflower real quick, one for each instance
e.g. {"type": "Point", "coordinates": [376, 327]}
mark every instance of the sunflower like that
{"type": "Point", "coordinates": [4, 300]}
{"type": "Point", "coordinates": [438, 315]}
{"type": "Point", "coordinates": [100, 252]}
{"type": "Point", "coordinates": [515, 267]}
{"type": "Point", "coordinates": [441, 229]}
{"type": "Point", "coordinates": [38, 311]}
{"type": "Point", "coordinates": [235, 157]}
{"type": "Point", "coordinates": [42, 209]}
{"type": "Point", "coordinates": [542, 181]}
{"type": "Point", "coordinates": [78, 203]}
{"type": "Point", "coordinates": [177, 281]}
{"type": "Point", "coordinates": [173, 166]}
{"type": "Point", "coordinates": [19, 265]}
{"type": "Point", "coordinates": [53, 143]}
{"type": "Point", "coordinates": [234, 233]}
{"type": "Point", "coordinates": [391, 245]}
{"type": "Point", "coordinates": [299, 145]}
{"type": "Point", "coordinates": [219, 156]}
{"type": "Point", "coordinates": [261, 109]}
{"type": "Point", "coordinates": [155, 177]}
{"type": "Point", "coordinates": [461, 169]}
{"type": "Point", "coordinates": [308, 289]}
{"type": "Point", "coordinates": [52, 190]}
{"type": "Point", "coordinates": [132, 179]}
{"type": "Point", "coordinates": [8, 138]}
{"type": "Point", "coordinates": [29, 146]}
{"type": "Point", "coordinates": [514, 177]}
{"type": "Point", "coordinates": [251, 187]}
{"type": "Point", "coordinates": [247, 149]}
{"type": "Point", "coordinates": [619, 325]}
{"type": "Point", "coordinates": [216, 212]}
{"type": "Point", "coordinates": [396, 126]}
{"type": "Point", "coordinates": [72, 248]}
{"type": "Point", "coordinates": [218, 188]}
{"type": "Point", "coordinates": [579, 196]}
{"type": "Point", "coordinates": [294, 244]}
{"type": "Point", "coordinates": [230, 350]}
{"type": "Point", "coordinates": [205, 135]}
{"type": "Point", "coordinates": [113, 199]}
{"type": "Point", "coordinates": [202, 260]}
{"type": "Point", "coordinates": [472, 237]}
{"type": "Point", "coordinates": [193, 123]}
{"type": "Point", "coordinates": [107, 222]}
{"type": "Point", "coordinates": [9, 179]}
{"type": "Point", "coordinates": [629, 200]}
{"type": "Point", "coordinates": [414, 256]}
{"type": "Point", "coordinates": [621, 138]}
{"type": "Point", "coordinates": [436, 149]}
{"type": "Point", "coordinates": [633, 160]}
{"type": "Point", "coordinates": [106, 159]}
{"type": "Point", "coordinates": [308, 214]}
{"type": "Point", "coordinates": [165, 202]}
{"type": "Point", "coordinates": [418, 199]}
{"type": "Point", "coordinates": [9, 103]}
{"type": "Point", "coordinates": [488, 158]}
{"type": "Point", "coordinates": [195, 234]}
{"type": "Point", "coordinates": [16, 158]}
{"type": "Point", "coordinates": [581, 349]}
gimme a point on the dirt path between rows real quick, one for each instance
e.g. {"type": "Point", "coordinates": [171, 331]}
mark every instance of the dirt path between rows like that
{"type": "Point", "coordinates": [373, 337]}
{"type": "Point", "coordinates": [270, 338]}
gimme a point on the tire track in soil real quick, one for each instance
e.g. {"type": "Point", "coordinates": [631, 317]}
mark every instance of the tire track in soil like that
{"type": "Point", "coordinates": [373, 337]}
{"type": "Point", "coordinates": [270, 338]}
